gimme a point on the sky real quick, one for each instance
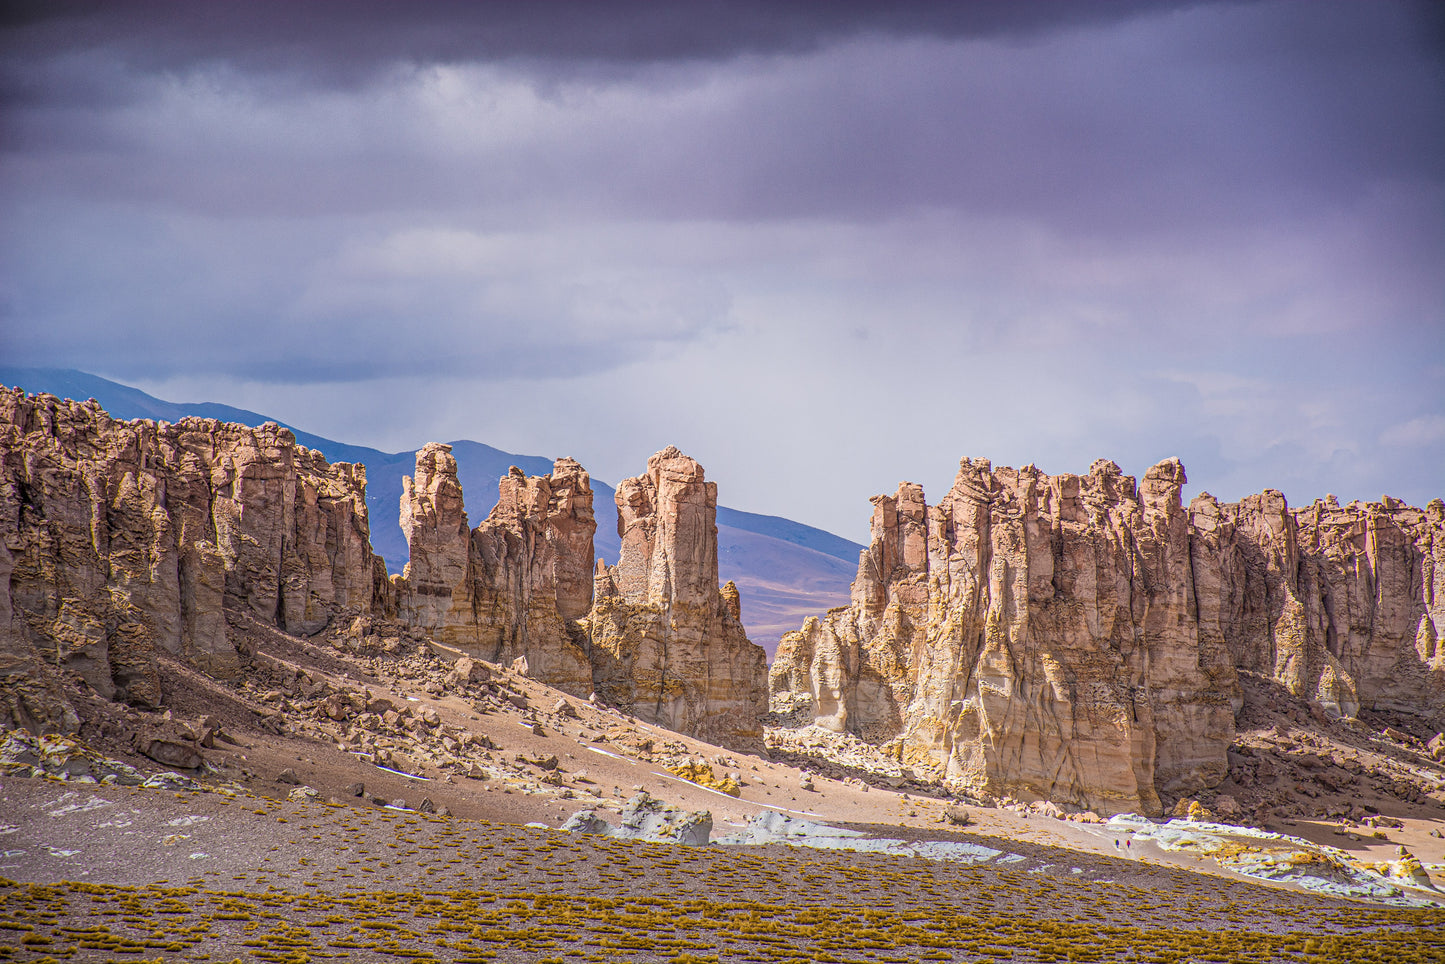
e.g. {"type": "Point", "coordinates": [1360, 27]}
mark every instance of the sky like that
{"type": "Point", "coordinates": [822, 248]}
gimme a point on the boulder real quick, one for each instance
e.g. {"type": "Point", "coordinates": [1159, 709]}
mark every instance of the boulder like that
{"type": "Point", "coordinates": [587, 821]}
{"type": "Point", "coordinates": [169, 745]}
{"type": "Point", "coordinates": [646, 818]}
{"type": "Point", "coordinates": [466, 671]}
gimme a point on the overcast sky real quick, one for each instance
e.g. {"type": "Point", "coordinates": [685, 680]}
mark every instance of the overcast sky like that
{"type": "Point", "coordinates": [821, 248]}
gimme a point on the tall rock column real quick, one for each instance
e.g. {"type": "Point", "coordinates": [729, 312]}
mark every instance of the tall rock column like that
{"type": "Point", "coordinates": [516, 584]}
{"type": "Point", "coordinates": [1042, 644]}
{"type": "Point", "coordinates": [667, 643]}
{"type": "Point", "coordinates": [437, 577]}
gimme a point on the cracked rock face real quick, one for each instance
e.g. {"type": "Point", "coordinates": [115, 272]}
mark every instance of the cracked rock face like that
{"type": "Point", "coordinates": [667, 643]}
{"type": "Point", "coordinates": [1077, 637]}
{"type": "Point", "coordinates": [119, 540]}
{"type": "Point", "coordinates": [1344, 605]}
{"type": "Point", "coordinates": [1030, 635]}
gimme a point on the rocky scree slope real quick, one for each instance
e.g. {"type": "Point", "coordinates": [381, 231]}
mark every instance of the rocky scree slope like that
{"type": "Point", "coordinates": [1077, 638]}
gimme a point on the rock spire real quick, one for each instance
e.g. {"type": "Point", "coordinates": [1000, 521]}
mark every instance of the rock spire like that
{"type": "Point", "coordinates": [1076, 637]}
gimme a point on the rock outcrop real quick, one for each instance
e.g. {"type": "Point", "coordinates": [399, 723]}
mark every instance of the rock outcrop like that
{"type": "Point", "coordinates": [667, 643]}
{"type": "Point", "coordinates": [1030, 635]}
{"type": "Point", "coordinates": [654, 635]}
{"type": "Point", "coordinates": [1344, 605]}
{"type": "Point", "coordinates": [1077, 637]}
{"type": "Point", "coordinates": [122, 540]}
{"type": "Point", "coordinates": [515, 586]}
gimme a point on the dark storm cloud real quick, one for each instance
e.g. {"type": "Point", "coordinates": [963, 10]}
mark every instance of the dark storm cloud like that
{"type": "Point", "coordinates": [341, 41]}
{"type": "Point", "coordinates": [1182, 115]}
{"type": "Point", "coordinates": [1035, 231]}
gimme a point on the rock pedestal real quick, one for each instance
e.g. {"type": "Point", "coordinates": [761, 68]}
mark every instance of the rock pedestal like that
{"type": "Point", "coordinates": [667, 644]}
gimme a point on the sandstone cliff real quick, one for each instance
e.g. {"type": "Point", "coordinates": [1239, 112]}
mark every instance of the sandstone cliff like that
{"type": "Point", "coordinates": [125, 539]}
{"type": "Point", "coordinates": [1076, 638]}
{"type": "Point", "coordinates": [668, 644]}
{"type": "Point", "coordinates": [513, 587]}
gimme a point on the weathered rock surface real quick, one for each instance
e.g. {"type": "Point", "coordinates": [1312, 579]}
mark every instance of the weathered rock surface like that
{"type": "Point", "coordinates": [125, 539]}
{"type": "Point", "coordinates": [654, 635]}
{"type": "Point", "coordinates": [1344, 605]}
{"type": "Point", "coordinates": [666, 643]}
{"type": "Point", "coordinates": [1076, 637]}
{"type": "Point", "coordinates": [514, 587]}
{"type": "Point", "coordinates": [648, 819]}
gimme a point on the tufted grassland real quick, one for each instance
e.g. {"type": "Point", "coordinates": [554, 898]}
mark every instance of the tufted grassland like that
{"type": "Point", "coordinates": [313, 882]}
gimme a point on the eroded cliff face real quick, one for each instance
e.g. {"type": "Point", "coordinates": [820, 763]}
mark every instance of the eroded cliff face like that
{"type": "Point", "coordinates": [1030, 635]}
{"type": "Point", "coordinates": [667, 643]}
{"type": "Point", "coordinates": [654, 635]}
{"type": "Point", "coordinates": [126, 539]}
{"type": "Point", "coordinates": [1344, 605]}
{"type": "Point", "coordinates": [514, 586]}
{"type": "Point", "coordinates": [1077, 637]}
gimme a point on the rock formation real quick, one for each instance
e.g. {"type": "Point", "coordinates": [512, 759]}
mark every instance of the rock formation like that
{"type": "Point", "coordinates": [516, 585]}
{"type": "Point", "coordinates": [667, 643]}
{"type": "Point", "coordinates": [1076, 638]}
{"type": "Point", "coordinates": [661, 639]}
{"type": "Point", "coordinates": [1344, 605]}
{"type": "Point", "coordinates": [122, 540]}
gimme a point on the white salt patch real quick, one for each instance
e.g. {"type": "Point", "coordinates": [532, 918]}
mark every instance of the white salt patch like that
{"type": "Point", "coordinates": [188, 821]}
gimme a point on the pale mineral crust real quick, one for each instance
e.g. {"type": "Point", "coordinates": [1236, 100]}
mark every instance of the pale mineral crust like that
{"type": "Point", "coordinates": [513, 587]}
{"type": "Point", "coordinates": [667, 643]}
{"type": "Point", "coordinates": [123, 540]}
{"type": "Point", "coordinates": [1076, 637]}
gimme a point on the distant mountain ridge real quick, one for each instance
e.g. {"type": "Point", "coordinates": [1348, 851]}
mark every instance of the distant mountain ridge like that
{"type": "Point", "coordinates": [785, 570]}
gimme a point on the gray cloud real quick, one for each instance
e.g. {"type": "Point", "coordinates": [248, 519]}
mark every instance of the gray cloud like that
{"type": "Point", "coordinates": [347, 41]}
{"type": "Point", "coordinates": [867, 237]}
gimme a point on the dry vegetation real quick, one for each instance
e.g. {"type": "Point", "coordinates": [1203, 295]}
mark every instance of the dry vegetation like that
{"type": "Point", "coordinates": [111, 873]}
{"type": "Point", "coordinates": [303, 882]}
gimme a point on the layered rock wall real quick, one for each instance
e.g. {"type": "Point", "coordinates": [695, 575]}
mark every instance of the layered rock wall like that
{"type": "Point", "coordinates": [1344, 605]}
{"type": "Point", "coordinates": [667, 643]}
{"type": "Point", "coordinates": [1076, 637]}
{"type": "Point", "coordinates": [125, 539]}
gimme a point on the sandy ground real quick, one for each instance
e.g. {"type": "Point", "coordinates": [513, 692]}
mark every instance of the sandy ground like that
{"type": "Point", "coordinates": [321, 869]}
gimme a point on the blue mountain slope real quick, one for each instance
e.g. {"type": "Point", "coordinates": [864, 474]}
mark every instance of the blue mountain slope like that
{"type": "Point", "coordinates": [785, 569]}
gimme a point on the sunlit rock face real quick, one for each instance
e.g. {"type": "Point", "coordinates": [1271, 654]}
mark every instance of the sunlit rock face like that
{"type": "Point", "coordinates": [1076, 637]}
{"type": "Point", "coordinates": [667, 643]}
{"type": "Point", "coordinates": [122, 540]}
